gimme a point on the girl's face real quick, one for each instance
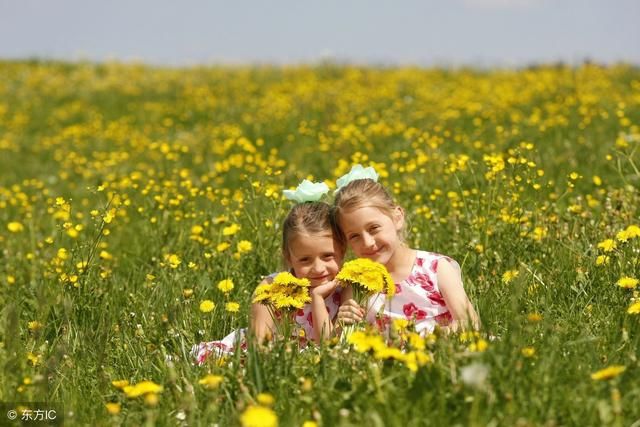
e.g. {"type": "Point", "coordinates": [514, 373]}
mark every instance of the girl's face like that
{"type": "Point", "coordinates": [316, 257]}
{"type": "Point", "coordinates": [372, 234]}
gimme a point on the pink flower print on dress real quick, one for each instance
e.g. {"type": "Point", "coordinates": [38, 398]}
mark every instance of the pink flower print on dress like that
{"type": "Point", "coordinates": [412, 311]}
{"type": "Point", "coordinates": [434, 265]}
{"type": "Point", "coordinates": [444, 319]}
{"type": "Point", "coordinates": [425, 282]}
{"type": "Point", "coordinates": [382, 322]}
{"type": "Point", "coordinates": [310, 319]}
{"type": "Point", "coordinates": [436, 298]}
{"type": "Point", "coordinates": [300, 312]}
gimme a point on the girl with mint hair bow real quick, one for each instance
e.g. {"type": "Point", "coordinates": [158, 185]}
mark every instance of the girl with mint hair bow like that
{"type": "Point", "coordinates": [312, 249]}
{"type": "Point", "coordinates": [429, 289]}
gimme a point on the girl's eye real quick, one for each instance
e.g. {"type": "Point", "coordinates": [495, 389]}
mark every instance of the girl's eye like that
{"type": "Point", "coordinates": [353, 237]}
{"type": "Point", "coordinates": [304, 260]}
{"type": "Point", "coordinates": [327, 257]}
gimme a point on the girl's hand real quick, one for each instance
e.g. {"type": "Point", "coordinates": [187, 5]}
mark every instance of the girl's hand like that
{"type": "Point", "coordinates": [324, 290]}
{"type": "Point", "coordinates": [350, 312]}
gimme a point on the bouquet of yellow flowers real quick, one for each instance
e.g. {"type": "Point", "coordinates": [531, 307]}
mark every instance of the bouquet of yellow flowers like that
{"type": "Point", "coordinates": [366, 278]}
{"type": "Point", "coordinates": [285, 292]}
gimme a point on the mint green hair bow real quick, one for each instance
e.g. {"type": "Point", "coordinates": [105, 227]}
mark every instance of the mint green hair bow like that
{"type": "Point", "coordinates": [307, 191]}
{"type": "Point", "coordinates": [357, 172]}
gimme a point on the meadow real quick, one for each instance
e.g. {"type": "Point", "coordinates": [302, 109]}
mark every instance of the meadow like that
{"type": "Point", "coordinates": [128, 193]}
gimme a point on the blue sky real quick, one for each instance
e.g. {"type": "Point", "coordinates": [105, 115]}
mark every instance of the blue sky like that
{"type": "Point", "coordinates": [427, 32]}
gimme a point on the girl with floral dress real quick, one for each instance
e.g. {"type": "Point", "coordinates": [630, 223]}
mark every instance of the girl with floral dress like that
{"type": "Point", "coordinates": [429, 289]}
{"type": "Point", "coordinates": [313, 249]}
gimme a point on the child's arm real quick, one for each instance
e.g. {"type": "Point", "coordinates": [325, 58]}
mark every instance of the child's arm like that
{"type": "Point", "coordinates": [455, 297]}
{"type": "Point", "coordinates": [261, 323]}
{"type": "Point", "coordinates": [322, 325]}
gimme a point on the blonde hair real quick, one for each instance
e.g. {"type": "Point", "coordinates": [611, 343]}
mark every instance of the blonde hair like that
{"type": "Point", "coordinates": [309, 218]}
{"type": "Point", "coordinates": [365, 193]}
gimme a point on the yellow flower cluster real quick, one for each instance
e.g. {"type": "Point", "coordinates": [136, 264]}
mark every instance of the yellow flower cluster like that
{"type": "Point", "coordinates": [367, 276]}
{"type": "Point", "coordinates": [413, 357]}
{"type": "Point", "coordinates": [285, 292]}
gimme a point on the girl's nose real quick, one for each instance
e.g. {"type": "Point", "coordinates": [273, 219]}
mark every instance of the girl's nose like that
{"type": "Point", "coordinates": [316, 266]}
{"type": "Point", "coordinates": [368, 240]}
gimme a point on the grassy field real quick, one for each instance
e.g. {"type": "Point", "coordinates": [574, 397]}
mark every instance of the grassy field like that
{"type": "Point", "coordinates": [127, 193]}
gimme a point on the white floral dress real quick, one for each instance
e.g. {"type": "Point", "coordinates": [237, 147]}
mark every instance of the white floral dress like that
{"type": "Point", "coordinates": [417, 298]}
{"type": "Point", "coordinates": [237, 339]}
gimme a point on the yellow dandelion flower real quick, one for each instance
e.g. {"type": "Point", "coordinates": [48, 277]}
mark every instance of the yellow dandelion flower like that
{"type": "Point", "coordinates": [627, 282]}
{"type": "Point", "coordinates": [603, 259]}
{"type": "Point", "coordinates": [15, 227]}
{"type": "Point", "coordinates": [608, 372]}
{"type": "Point", "coordinates": [285, 292]}
{"type": "Point", "coordinates": [34, 325]}
{"type": "Point", "coordinates": [528, 351]}
{"type": "Point", "coordinates": [366, 277]}
{"type": "Point", "coordinates": [151, 399]}
{"type": "Point", "coordinates": [221, 247]}
{"type": "Point", "coordinates": [244, 246]}
{"type": "Point", "coordinates": [265, 399]}
{"type": "Point", "coordinates": [120, 383]}
{"type": "Point", "coordinates": [207, 306]}
{"type": "Point", "coordinates": [607, 245]}
{"type": "Point", "coordinates": [309, 424]}
{"type": "Point", "coordinates": [187, 293]}
{"type": "Point", "coordinates": [363, 342]}
{"type": "Point", "coordinates": [479, 346]}
{"type": "Point", "coordinates": [197, 230]}
{"type": "Point", "coordinates": [509, 275]}
{"type": "Point", "coordinates": [634, 308]}
{"type": "Point", "coordinates": [232, 307]}
{"type": "Point", "coordinates": [225, 285]}
{"type": "Point", "coordinates": [230, 230]}
{"type": "Point", "coordinates": [400, 324]}
{"type": "Point", "coordinates": [142, 388]}
{"type": "Point", "coordinates": [534, 317]}
{"type": "Point", "coordinates": [113, 408]}
{"type": "Point", "coordinates": [258, 416]}
{"type": "Point", "coordinates": [211, 381]}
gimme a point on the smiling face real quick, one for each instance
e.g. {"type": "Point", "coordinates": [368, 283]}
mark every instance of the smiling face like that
{"type": "Point", "coordinates": [372, 234]}
{"type": "Point", "coordinates": [316, 257]}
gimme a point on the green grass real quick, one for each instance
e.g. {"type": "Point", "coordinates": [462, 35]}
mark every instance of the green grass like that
{"type": "Point", "coordinates": [164, 150]}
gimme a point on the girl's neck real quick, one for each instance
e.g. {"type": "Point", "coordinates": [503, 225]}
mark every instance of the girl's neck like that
{"type": "Point", "coordinates": [401, 263]}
